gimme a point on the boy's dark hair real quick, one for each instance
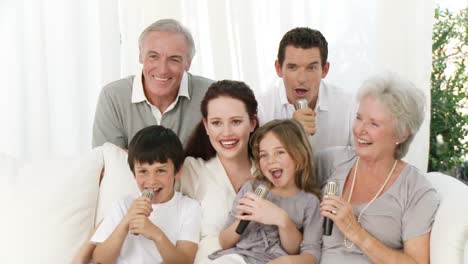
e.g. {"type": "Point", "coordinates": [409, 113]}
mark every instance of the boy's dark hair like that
{"type": "Point", "coordinates": [304, 38]}
{"type": "Point", "coordinates": [155, 144]}
{"type": "Point", "coordinates": [199, 145]}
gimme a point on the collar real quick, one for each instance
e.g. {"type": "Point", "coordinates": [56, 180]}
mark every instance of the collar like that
{"type": "Point", "coordinates": [138, 92]}
{"type": "Point", "coordinates": [322, 100]}
{"type": "Point", "coordinates": [282, 94]}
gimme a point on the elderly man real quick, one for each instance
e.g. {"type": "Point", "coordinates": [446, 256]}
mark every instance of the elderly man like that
{"type": "Point", "coordinates": [164, 93]}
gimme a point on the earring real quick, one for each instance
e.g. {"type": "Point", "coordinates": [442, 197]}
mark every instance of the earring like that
{"type": "Point", "coordinates": [396, 143]}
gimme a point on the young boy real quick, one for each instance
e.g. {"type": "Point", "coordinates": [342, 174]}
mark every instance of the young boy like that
{"type": "Point", "coordinates": [164, 229]}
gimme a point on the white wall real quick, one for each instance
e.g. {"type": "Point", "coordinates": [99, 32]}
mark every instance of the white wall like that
{"type": "Point", "coordinates": [57, 54]}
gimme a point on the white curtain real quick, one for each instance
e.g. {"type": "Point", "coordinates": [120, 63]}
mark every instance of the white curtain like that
{"type": "Point", "coordinates": [61, 52]}
{"type": "Point", "coordinates": [55, 56]}
{"type": "Point", "coordinates": [239, 40]}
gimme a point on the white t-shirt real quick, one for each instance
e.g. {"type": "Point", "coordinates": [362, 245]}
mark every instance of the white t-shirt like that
{"type": "Point", "coordinates": [179, 218]}
{"type": "Point", "coordinates": [335, 113]}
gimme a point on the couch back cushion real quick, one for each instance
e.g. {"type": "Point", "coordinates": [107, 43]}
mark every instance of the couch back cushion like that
{"type": "Point", "coordinates": [118, 180]}
{"type": "Point", "coordinates": [51, 209]}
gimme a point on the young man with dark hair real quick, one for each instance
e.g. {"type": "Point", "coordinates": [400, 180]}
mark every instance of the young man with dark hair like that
{"type": "Point", "coordinates": [302, 65]}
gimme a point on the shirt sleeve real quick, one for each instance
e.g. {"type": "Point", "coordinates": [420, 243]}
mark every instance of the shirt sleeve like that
{"type": "Point", "coordinates": [420, 212]}
{"type": "Point", "coordinates": [312, 233]}
{"type": "Point", "coordinates": [107, 127]}
{"type": "Point", "coordinates": [189, 178]}
{"type": "Point", "coordinates": [109, 223]}
{"type": "Point", "coordinates": [191, 217]}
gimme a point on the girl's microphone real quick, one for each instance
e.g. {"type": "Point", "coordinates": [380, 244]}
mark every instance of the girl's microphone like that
{"type": "Point", "coordinates": [261, 191]}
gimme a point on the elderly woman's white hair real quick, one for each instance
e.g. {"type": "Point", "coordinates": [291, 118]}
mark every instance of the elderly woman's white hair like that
{"type": "Point", "coordinates": [403, 100]}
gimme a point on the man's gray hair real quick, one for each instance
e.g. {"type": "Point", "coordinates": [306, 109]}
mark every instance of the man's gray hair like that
{"type": "Point", "coordinates": [403, 100]}
{"type": "Point", "coordinates": [170, 25]}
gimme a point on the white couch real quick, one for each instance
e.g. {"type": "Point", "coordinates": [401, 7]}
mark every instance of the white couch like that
{"type": "Point", "coordinates": [50, 207]}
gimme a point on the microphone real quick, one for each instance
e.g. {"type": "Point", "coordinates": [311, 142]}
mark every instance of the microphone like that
{"type": "Point", "coordinates": [261, 191]}
{"type": "Point", "coordinates": [148, 192]}
{"type": "Point", "coordinates": [330, 189]}
{"type": "Point", "coordinates": [301, 104]}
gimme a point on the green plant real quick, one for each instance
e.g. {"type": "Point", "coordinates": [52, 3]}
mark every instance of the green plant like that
{"type": "Point", "coordinates": [449, 92]}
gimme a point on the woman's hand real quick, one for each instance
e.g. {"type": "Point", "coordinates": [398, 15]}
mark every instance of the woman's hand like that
{"type": "Point", "coordinates": [254, 208]}
{"type": "Point", "coordinates": [341, 213]}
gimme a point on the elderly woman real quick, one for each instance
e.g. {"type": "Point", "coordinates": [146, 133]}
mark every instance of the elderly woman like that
{"type": "Point", "coordinates": [386, 208]}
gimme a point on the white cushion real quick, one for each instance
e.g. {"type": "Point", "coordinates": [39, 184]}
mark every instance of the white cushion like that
{"type": "Point", "coordinates": [118, 180]}
{"type": "Point", "coordinates": [8, 170]}
{"type": "Point", "coordinates": [10, 207]}
{"type": "Point", "coordinates": [450, 230]}
{"type": "Point", "coordinates": [54, 210]}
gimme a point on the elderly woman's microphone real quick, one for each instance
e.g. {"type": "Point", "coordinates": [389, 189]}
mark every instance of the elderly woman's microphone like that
{"type": "Point", "coordinates": [330, 189]}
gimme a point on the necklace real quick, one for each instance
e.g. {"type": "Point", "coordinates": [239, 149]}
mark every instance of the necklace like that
{"type": "Point", "coordinates": [345, 241]}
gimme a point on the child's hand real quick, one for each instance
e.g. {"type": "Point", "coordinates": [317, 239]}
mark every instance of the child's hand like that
{"type": "Point", "coordinates": [141, 225]}
{"type": "Point", "coordinates": [253, 208]}
{"type": "Point", "coordinates": [141, 206]}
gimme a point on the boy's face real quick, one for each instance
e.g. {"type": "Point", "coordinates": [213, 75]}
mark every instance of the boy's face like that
{"type": "Point", "coordinates": [158, 176]}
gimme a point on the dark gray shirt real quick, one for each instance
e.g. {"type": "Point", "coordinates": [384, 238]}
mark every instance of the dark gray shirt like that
{"type": "Point", "coordinates": [404, 211]}
{"type": "Point", "coordinates": [261, 243]}
{"type": "Point", "coordinates": [117, 119]}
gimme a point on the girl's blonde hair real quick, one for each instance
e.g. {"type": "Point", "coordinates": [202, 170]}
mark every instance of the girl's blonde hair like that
{"type": "Point", "coordinates": [291, 134]}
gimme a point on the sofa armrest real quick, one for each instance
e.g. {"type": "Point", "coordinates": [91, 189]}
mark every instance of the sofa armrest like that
{"type": "Point", "coordinates": [49, 208]}
{"type": "Point", "coordinates": [450, 230]}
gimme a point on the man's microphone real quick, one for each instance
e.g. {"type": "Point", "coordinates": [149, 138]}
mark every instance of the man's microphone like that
{"type": "Point", "coordinates": [261, 191]}
{"type": "Point", "coordinates": [330, 189]}
{"type": "Point", "coordinates": [301, 104]}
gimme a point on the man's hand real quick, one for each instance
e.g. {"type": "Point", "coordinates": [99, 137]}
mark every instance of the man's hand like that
{"type": "Point", "coordinates": [306, 117]}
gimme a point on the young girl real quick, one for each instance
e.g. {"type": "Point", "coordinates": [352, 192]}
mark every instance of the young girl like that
{"type": "Point", "coordinates": [287, 220]}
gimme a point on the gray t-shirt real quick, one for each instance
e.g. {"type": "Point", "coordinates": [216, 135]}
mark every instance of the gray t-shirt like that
{"type": "Point", "coordinates": [404, 211]}
{"type": "Point", "coordinates": [117, 119]}
{"type": "Point", "coordinates": [261, 243]}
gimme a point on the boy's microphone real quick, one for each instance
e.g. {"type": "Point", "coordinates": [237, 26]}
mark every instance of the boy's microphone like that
{"type": "Point", "coordinates": [330, 189]}
{"type": "Point", "coordinates": [261, 191]}
{"type": "Point", "coordinates": [148, 192]}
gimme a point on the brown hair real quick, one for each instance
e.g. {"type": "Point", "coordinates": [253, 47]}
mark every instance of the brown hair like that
{"type": "Point", "coordinates": [291, 134]}
{"type": "Point", "coordinates": [199, 145]}
{"type": "Point", "coordinates": [155, 144]}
